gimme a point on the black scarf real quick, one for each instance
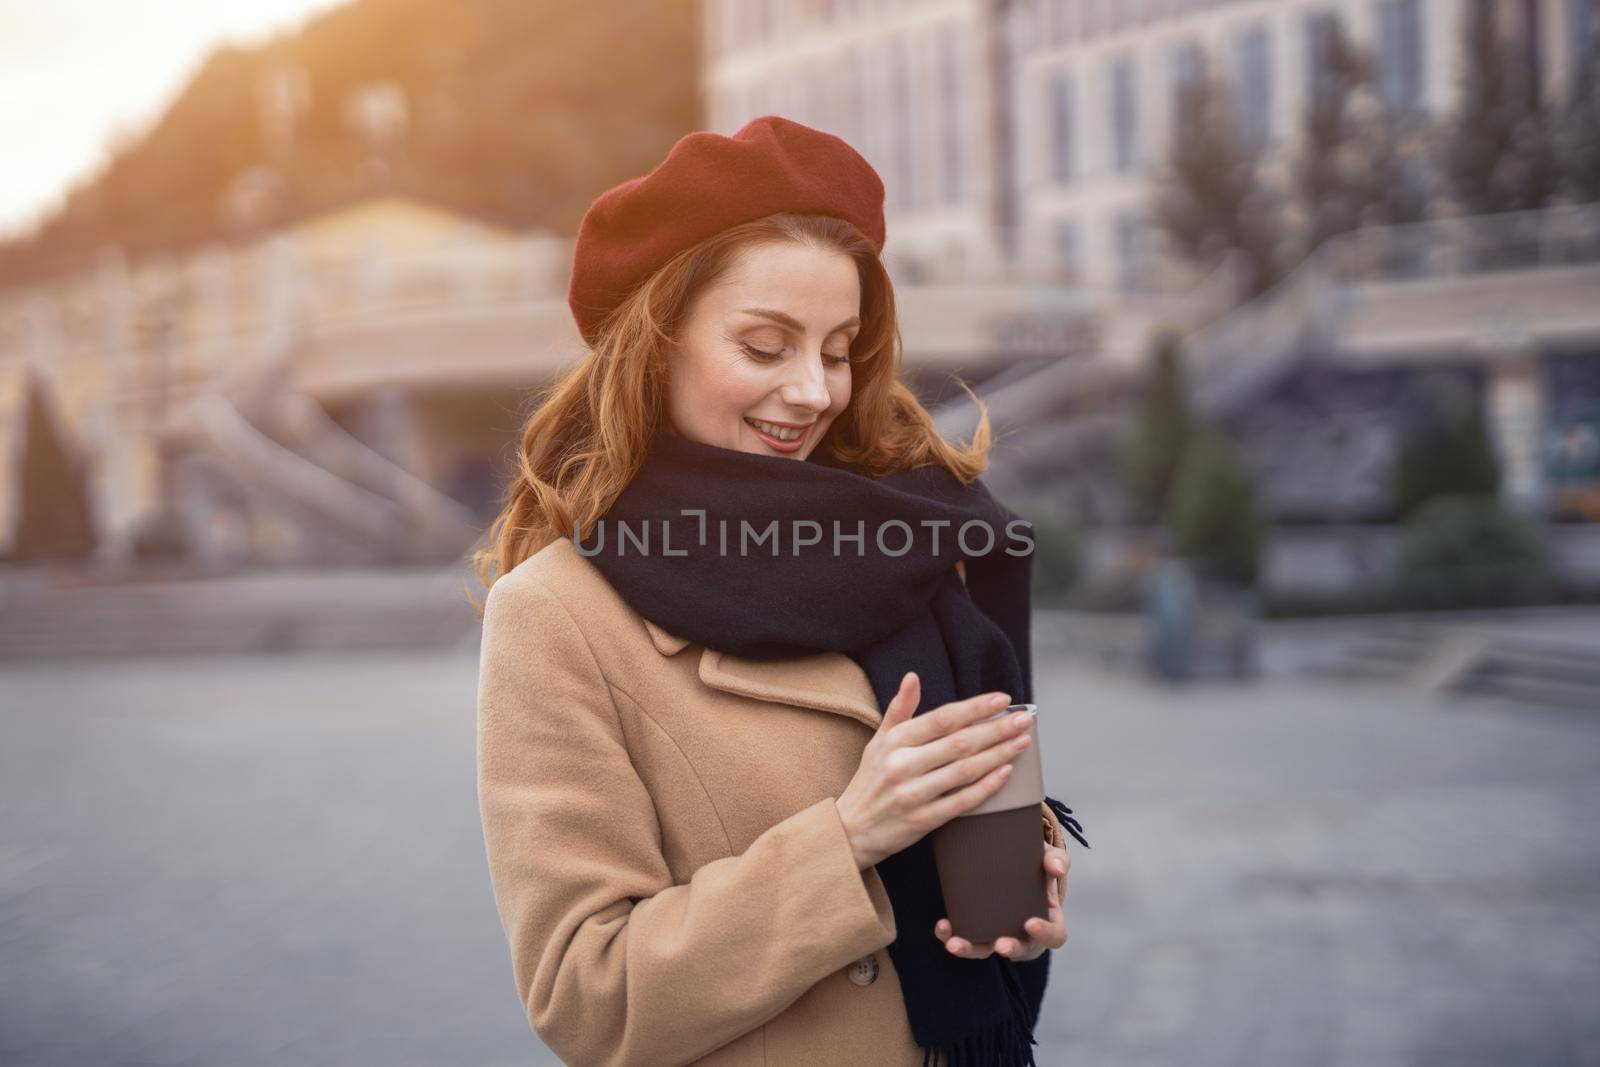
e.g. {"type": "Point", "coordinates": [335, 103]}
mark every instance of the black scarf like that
{"type": "Point", "coordinates": [891, 608]}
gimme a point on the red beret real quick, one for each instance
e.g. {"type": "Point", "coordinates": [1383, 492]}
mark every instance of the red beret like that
{"type": "Point", "coordinates": [706, 184]}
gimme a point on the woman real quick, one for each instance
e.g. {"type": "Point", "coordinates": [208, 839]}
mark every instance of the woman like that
{"type": "Point", "coordinates": [708, 778]}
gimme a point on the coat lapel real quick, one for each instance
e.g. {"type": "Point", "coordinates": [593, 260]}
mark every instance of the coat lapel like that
{"type": "Point", "coordinates": [824, 681]}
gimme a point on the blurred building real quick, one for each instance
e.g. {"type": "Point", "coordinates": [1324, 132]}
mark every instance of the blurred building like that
{"type": "Point", "coordinates": [349, 387]}
{"type": "Point", "coordinates": [1021, 144]}
{"type": "Point", "coordinates": [1017, 139]}
{"type": "Point", "coordinates": [342, 389]}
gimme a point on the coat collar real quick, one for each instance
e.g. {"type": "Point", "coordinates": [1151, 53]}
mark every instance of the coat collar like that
{"type": "Point", "coordinates": [667, 644]}
{"type": "Point", "coordinates": [826, 681]}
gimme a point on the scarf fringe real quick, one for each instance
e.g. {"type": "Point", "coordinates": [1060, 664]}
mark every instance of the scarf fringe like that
{"type": "Point", "coordinates": [1001, 1045]}
{"type": "Point", "coordinates": [1008, 1043]}
{"type": "Point", "coordinates": [1068, 823]}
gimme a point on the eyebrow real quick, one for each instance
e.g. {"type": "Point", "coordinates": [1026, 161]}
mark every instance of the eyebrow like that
{"type": "Point", "coordinates": [794, 323]}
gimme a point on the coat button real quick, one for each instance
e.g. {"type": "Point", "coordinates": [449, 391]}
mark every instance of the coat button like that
{"type": "Point", "coordinates": [865, 970]}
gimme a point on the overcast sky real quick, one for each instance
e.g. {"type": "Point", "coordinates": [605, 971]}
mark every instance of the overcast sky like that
{"type": "Point", "coordinates": [74, 71]}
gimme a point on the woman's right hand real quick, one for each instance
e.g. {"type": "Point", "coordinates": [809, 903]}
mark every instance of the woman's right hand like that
{"type": "Point", "coordinates": [918, 773]}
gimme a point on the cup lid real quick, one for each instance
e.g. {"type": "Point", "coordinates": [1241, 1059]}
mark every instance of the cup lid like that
{"type": "Point", "coordinates": [1031, 709]}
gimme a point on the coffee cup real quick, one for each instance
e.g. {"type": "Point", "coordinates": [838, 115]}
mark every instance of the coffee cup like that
{"type": "Point", "coordinates": [991, 859]}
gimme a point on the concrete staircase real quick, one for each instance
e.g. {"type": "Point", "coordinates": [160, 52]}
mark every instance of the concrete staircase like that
{"type": "Point", "coordinates": [254, 437]}
{"type": "Point", "coordinates": [48, 614]}
{"type": "Point", "coordinates": [1539, 674]}
{"type": "Point", "coordinates": [1529, 665]}
{"type": "Point", "coordinates": [1530, 656]}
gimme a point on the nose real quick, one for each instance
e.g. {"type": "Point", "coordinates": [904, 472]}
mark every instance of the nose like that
{"type": "Point", "coordinates": [807, 386]}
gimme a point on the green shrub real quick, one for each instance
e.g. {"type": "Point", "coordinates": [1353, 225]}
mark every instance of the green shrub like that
{"type": "Point", "coordinates": [1057, 552]}
{"type": "Point", "coordinates": [1150, 454]}
{"type": "Point", "coordinates": [1468, 550]}
{"type": "Point", "coordinates": [55, 517]}
{"type": "Point", "coordinates": [1213, 519]}
{"type": "Point", "coordinates": [1451, 454]}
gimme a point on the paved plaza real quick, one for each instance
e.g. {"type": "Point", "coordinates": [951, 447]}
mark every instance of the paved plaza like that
{"type": "Point", "coordinates": [243, 861]}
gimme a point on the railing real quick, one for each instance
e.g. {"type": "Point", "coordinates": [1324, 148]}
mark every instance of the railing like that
{"type": "Point", "coordinates": [209, 306]}
{"type": "Point", "coordinates": [323, 440]}
{"type": "Point", "coordinates": [199, 350]}
{"type": "Point", "coordinates": [1304, 308]}
{"type": "Point", "coordinates": [357, 282]}
{"type": "Point", "coordinates": [1561, 236]}
{"type": "Point", "coordinates": [1236, 354]}
{"type": "Point", "coordinates": [369, 518]}
{"type": "Point", "coordinates": [1233, 352]}
{"type": "Point", "coordinates": [168, 328]}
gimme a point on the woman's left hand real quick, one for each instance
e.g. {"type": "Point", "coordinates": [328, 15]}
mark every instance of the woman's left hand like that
{"type": "Point", "coordinates": [1043, 933]}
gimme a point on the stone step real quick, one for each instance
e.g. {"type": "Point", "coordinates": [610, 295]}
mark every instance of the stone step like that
{"type": "Point", "coordinates": [237, 637]}
{"type": "Point", "coordinates": [1536, 689]}
{"type": "Point", "coordinates": [1542, 672]}
{"type": "Point", "coordinates": [55, 616]}
{"type": "Point", "coordinates": [1569, 663]}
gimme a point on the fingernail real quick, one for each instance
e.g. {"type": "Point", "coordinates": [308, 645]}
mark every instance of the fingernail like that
{"type": "Point", "coordinates": [999, 700]}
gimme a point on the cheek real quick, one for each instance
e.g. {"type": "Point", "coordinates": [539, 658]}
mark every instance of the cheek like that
{"type": "Point", "coordinates": [741, 386]}
{"type": "Point", "coordinates": [723, 387]}
{"type": "Point", "coordinates": [840, 392]}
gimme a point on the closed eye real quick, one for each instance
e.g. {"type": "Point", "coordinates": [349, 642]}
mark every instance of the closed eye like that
{"type": "Point", "coordinates": [763, 356]}
{"type": "Point", "coordinates": [760, 354]}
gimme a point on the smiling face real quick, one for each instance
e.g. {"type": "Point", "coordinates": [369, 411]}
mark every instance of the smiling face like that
{"type": "Point", "coordinates": [762, 360]}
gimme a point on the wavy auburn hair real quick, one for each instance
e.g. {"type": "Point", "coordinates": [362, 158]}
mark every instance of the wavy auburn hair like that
{"type": "Point", "coordinates": [590, 428]}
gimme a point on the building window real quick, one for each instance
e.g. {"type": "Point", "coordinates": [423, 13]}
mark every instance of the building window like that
{"type": "Point", "coordinates": [1252, 77]}
{"type": "Point", "coordinates": [1053, 19]}
{"type": "Point", "coordinates": [1093, 18]}
{"type": "Point", "coordinates": [762, 30]}
{"type": "Point", "coordinates": [1321, 30]}
{"type": "Point", "coordinates": [1184, 65]}
{"type": "Point", "coordinates": [952, 83]}
{"type": "Point", "coordinates": [1533, 46]}
{"type": "Point", "coordinates": [1124, 115]}
{"type": "Point", "coordinates": [867, 104]}
{"type": "Point", "coordinates": [952, 265]}
{"type": "Point", "coordinates": [716, 15]}
{"type": "Point", "coordinates": [1062, 164]}
{"type": "Point", "coordinates": [1400, 55]}
{"type": "Point", "coordinates": [1130, 252]}
{"type": "Point", "coordinates": [852, 121]}
{"type": "Point", "coordinates": [810, 105]}
{"type": "Point", "coordinates": [1068, 249]}
{"type": "Point", "coordinates": [1581, 36]}
{"type": "Point", "coordinates": [903, 121]}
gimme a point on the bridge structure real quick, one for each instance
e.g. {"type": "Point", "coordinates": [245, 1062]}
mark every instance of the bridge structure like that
{"type": "Point", "coordinates": [1509, 296]}
{"type": "Point", "coordinates": [349, 388]}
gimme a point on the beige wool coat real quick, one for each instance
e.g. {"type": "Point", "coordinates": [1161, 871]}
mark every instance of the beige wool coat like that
{"type": "Point", "coordinates": [664, 849]}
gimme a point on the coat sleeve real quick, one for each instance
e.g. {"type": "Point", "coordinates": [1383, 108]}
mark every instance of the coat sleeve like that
{"type": "Point", "coordinates": [615, 965]}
